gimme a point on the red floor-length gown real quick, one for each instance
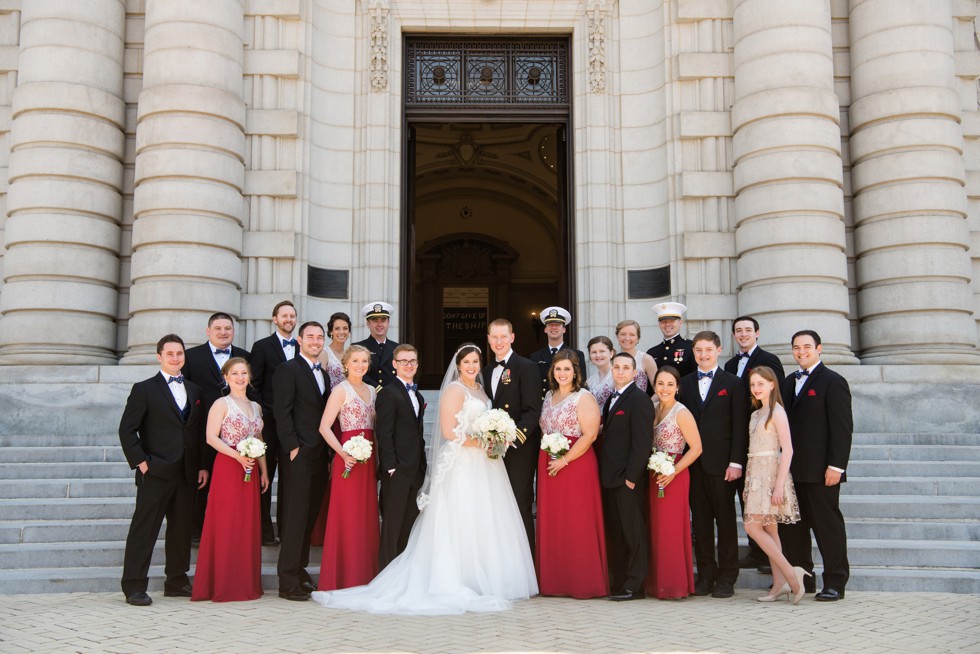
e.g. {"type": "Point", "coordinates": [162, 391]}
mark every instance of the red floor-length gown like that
{"type": "Point", "coordinates": [671, 574]}
{"type": "Point", "coordinates": [229, 561]}
{"type": "Point", "coordinates": [571, 542]}
{"type": "Point", "coordinates": [353, 532]}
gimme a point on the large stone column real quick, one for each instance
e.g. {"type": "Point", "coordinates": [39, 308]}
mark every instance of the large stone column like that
{"type": "Point", "coordinates": [911, 234]}
{"type": "Point", "coordinates": [61, 266]}
{"type": "Point", "coordinates": [190, 144]}
{"type": "Point", "coordinates": [789, 204]}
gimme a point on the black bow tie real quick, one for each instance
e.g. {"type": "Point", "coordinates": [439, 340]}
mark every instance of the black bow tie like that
{"type": "Point", "coordinates": [500, 363]}
{"type": "Point", "coordinates": [289, 341]}
{"type": "Point", "coordinates": [411, 387]}
{"type": "Point", "coordinates": [227, 350]}
{"type": "Point", "coordinates": [799, 374]}
{"type": "Point", "coordinates": [179, 379]}
{"type": "Point", "coordinates": [742, 355]}
{"type": "Point", "coordinates": [710, 375]}
{"type": "Point", "coordinates": [615, 394]}
{"type": "Point", "coordinates": [317, 366]}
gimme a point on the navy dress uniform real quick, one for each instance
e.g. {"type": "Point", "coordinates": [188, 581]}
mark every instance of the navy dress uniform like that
{"type": "Point", "coordinates": [543, 357]}
{"type": "Point", "coordinates": [382, 370]}
{"type": "Point", "coordinates": [675, 351]}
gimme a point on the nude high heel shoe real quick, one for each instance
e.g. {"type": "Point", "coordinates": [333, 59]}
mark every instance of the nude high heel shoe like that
{"type": "Point", "coordinates": [800, 574]}
{"type": "Point", "coordinates": [785, 590]}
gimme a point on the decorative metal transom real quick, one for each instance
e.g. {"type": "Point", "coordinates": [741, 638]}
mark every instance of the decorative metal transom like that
{"type": "Point", "coordinates": [498, 72]}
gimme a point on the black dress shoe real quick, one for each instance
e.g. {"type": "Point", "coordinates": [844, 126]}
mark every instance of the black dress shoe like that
{"type": "Point", "coordinates": [183, 591]}
{"type": "Point", "coordinates": [764, 569]}
{"type": "Point", "coordinates": [294, 594]}
{"type": "Point", "coordinates": [749, 562]}
{"type": "Point", "coordinates": [270, 540]}
{"type": "Point", "coordinates": [139, 599]}
{"type": "Point", "coordinates": [723, 589]}
{"type": "Point", "coordinates": [626, 596]}
{"type": "Point", "coordinates": [703, 588]}
{"type": "Point", "coordinates": [829, 595]}
{"type": "Point", "coordinates": [307, 586]}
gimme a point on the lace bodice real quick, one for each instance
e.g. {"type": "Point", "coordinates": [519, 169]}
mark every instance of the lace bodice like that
{"type": "Point", "coordinates": [562, 417]}
{"type": "Point", "coordinates": [667, 436]}
{"type": "Point", "coordinates": [601, 386]}
{"type": "Point", "coordinates": [762, 440]}
{"type": "Point", "coordinates": [473, 406]}
{"type": "Point", "coordinates": [237, 426]}
{"type": "Point", "coordinates": [335, 370]}
{"type": "Point", "coordinates": [640, 377]}
{"type": "Point", "coordinates": [355, 413]}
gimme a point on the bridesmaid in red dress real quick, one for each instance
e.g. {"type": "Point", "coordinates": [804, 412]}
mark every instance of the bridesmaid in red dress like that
{"type": "Point", "coordinates": [353, 534]}
{"type": "Point", "coordinates": [671, 573]}
{"type": "Point", "coordinates": [229, 561]}
{"type": "Point", "coordinates": [571, 542]}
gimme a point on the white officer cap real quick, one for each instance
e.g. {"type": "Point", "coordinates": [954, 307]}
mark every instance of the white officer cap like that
{"type": "Point", "coordinates": [556, 314]}
{"type": "Point", "coordinates": [667, 310]}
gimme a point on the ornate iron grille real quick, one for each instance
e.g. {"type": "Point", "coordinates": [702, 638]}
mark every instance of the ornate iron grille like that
{"type": "Point", "coordinates": [499, 73]}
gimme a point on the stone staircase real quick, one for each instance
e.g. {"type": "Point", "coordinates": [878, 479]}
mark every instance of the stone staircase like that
{"type": "Point", "coordinates": [912, 509]}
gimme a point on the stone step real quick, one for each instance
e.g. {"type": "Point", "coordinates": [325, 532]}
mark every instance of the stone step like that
{"type": "Point", "coordinates": [911, 507]}
{"type": "Point", "coordinates": [922, 486]}
{"type": "Point", "coordinates": [59, 440]}
{"type": "Point", "coordinates": [891, 438]}
{"type": "Point", "coordinates": [914, 530]}
{"type": "Point", "coordinates": [72, 454]}
{"type": "Point", "coordinates": [68, 508]}
{"type": "Point", "coordinates": [77, 488]}
{"type": "Point", "coordinates": [915, 453]}
{"type": "Point", "coordinates": [32, 471]}
{"type": "Point", "coordinates": [925, 468]}
{"type": "Point", "coordinates": [881, 578]}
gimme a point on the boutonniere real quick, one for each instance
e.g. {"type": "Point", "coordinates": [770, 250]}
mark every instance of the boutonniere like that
{"type": "Point", "coordinates": [722, 392]}
{"type": "Point", "coordinates": [425, 405]}
{"type": "Point", "coordinates": [197, 402]}
{"type": "Point", "coordinates": [505, 378]}
{"type": "Point", "coordinates": [811, 393]}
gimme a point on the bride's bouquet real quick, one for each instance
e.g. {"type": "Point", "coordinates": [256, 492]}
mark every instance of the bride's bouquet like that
{"type": "Point", "coordinates": [496, 431]}
{"type": "Point", "coordinates": [359, 448]}
{"type": "Point", "coordinates": [250, 448]}
{"type": "Point", "coordinates": [662, 464]}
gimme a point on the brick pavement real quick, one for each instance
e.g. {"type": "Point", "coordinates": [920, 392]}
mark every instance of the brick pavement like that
{"type": "Point", "coordinates": [866, 622]}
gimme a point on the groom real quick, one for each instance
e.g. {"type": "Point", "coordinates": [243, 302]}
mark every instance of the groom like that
{"type": "Point", "coordinates": [401, 452]}
{"type": "Point", "coordinates": [514, 385]}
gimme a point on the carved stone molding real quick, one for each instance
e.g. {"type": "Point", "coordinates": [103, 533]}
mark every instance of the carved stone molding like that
{"type": "Point", "coordinates": [597, 12]}
{"type": "Point", "coordinates": [378, 11]}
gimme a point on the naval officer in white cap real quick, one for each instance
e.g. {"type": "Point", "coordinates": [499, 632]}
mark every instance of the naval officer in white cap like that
{"type": "Point", "coordinates": [555, 320]}
{"type": "Point", "coordinates": [675, 350]}
{"type": "Point", "coordinates": [382, 370]}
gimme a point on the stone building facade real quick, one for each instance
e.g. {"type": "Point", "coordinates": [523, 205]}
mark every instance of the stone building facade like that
{"type": "Point", "coordinates": [815, 163]}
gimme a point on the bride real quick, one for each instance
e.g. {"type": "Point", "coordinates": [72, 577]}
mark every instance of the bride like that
{"type": "Point", "coordinates": [468, 550]}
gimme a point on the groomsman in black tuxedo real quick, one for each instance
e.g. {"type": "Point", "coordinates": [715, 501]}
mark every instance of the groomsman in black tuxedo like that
{"type": "Point", "coordinates": [555, 321]}
{"type": "Point", "coordinates": [627, 419]}
{"type": "Point", "coordinates": [267, 353]}
{"type": "Point", "coordinates": [818, 402]}
{"type": "Point", "coordinates": [514, 385]}
{"type": "Point", "coordinates": [203, 367]}
{"type": "Point", "coordinates": [401, 452]}
{"type": "Point", "coordinates": [378, 316]}
{"type": "Point", "coordinates": [161, 433]}
{"type": "Point", "coordinates": [745, 331]}
{"type": "Point", "coordinates": [300, 390]}
{"type": "Point", "coordinates": [674, 350]}
{"type": "Point", "coordinates": [720, 404]}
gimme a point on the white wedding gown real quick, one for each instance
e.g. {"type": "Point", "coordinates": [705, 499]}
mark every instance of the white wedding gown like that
{"type": "Point", "coordinates": [468, 550]}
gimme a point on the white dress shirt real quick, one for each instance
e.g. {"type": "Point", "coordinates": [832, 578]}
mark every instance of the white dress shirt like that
{"type": "Point", "coordinates": [620, 391]}
{"type": "Point", "coordinates": [704, 384]}
{"type": "Point", "coordinates": [802, 380]}
{"type": "Point", "coordinates": [318, 374]}
{"type": "Point", "coordinates": [498, 371]}
{"type": "Point", "coordinates": [288, 350]}
{"type": "Point", "coordinates": [744, 360]}
{"type": "Point", "coordinates": [178, 390]}
{"type": "Point", "coordinates": [411, 395]}
{"type": "Point", "coordinates": [220, 359]}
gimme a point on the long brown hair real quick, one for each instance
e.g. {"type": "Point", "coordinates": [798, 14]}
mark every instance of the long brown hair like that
{"type": "Point", "coordinates": [565, 355]}
{"type": "Point", "coordinates": [766, 373]}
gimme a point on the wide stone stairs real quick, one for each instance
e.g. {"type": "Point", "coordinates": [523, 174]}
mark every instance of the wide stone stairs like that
{"type": "Point", "coordinates": [912, 506]}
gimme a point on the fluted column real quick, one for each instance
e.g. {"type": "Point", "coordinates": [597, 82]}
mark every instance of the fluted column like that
{"type": "Point", "coordinates": [61, 266]}
{"type": "Point", "coordinates": [789, 204]}
{"type": "Point", "coordinates": [911, 234]}
{"type": "Point", "coordinates": [190, 144]}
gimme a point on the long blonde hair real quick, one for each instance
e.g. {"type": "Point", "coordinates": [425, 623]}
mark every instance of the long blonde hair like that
{"type": "Point", "coordinates": [766, 373]}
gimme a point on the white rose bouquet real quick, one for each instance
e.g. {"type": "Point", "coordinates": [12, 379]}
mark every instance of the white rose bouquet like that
{"type": "Point", "coordinates": [359, 448]}
{"type": "Point", "coordinates": [250, 448]}
{"type": "Point", "coordinates": [662, 464]}
{"type": "Point", "coordinates": [555, 445]}
{"type": "Point", "coordinates": [496, 431]}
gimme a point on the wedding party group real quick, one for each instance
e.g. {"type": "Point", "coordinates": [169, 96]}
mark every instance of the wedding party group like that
{"type": "Point", "coordinates": [538, 478]}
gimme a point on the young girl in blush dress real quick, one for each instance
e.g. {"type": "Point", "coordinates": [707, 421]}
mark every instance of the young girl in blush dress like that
{"type": "Point", "coordinates": [671, 574]}
{"type": "Point", "coordinates": [353, 532]}
{"type": "Point", "coordinates": [229, 562]}
{"type": "Point", "coordinates": [769, 497]}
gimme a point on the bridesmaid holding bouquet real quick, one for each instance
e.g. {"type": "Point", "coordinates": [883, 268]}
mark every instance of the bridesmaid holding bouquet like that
{"type": "Point", "coordinates": [571, 543]}
{"type": "Point", "coordinates": [353, 533]}
{"type": "Point", "coordinates": [671, 574]}
{"type": "Point", "coordinates": [229, 562]}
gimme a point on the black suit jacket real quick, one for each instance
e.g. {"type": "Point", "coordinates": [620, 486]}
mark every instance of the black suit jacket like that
{"type": "Point", "coordinates": [723, 420]}
{"type": "Point", "coordinates": [201, 368]}
{"type": "Point", "coordinates": [675, 352]}
{"type": "Point", "coordinates": [267, 354]}
{"type": "Point", "coordinates": [758, 358]}
{"type": "Point", "coordinates": [399, 432]}
{"type": "Point", "coordinates": [518, 393]}
{"type": "Point", "coordinates": [627, 438]}
{"type": "Point", "coordinates": [382, 370]}
{"type": "Point", "coordinates": [298, 406]}
{"type": "Point", "coordinates": [820, 424]}
{"type": "Point", "coordinates": [152, 429]}
{"type": "Point", "coordinates": [543, 360]}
